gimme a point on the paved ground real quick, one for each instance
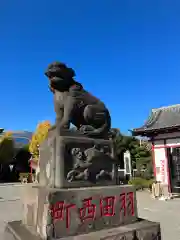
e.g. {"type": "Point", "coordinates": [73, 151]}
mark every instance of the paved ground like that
{"type": "Point", "coordinates": [167, 213]}
{"type": "Point", "coordinates": [10, 205]}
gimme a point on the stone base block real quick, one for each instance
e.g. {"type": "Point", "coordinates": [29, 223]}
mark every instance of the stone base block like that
{"type": "Point", "coordinates": [61, 166]}
{"type": "Point", "coordinates": [68, 212]}
{"type": "Point", "coordinates": [141, 230]}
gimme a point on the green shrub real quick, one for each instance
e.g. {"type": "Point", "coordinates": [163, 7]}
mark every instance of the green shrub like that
{"type": "Point", "coordinates": [141, 183]}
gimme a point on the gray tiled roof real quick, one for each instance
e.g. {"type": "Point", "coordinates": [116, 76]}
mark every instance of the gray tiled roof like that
{"type": "Point", "coordinates": [164, 117]}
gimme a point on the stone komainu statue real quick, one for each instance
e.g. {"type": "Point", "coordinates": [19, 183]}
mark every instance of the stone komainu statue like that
{"type": "Point", "coordinates": [73, 104]}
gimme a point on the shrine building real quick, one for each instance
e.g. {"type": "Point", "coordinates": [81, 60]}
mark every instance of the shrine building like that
{"type": "Point", "coordinates": [163, 130]}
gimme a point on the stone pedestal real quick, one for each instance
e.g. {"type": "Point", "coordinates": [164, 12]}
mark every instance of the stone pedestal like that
{"type": "Point", "coordinates": [140, 230]}
{"type": "Point", "coordinates": [67, 212]}
{"type": "Point", "coordinates": [90, 205]}
{"type": "Point", "coordinates": [84, 213]}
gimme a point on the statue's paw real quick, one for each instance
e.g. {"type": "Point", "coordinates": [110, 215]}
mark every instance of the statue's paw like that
{"type": "Point", "coordinates": [71, 176]}
{"type": "Point", "coordinates": [86, 133]}
{"type": "Point", "coordinates": [86, 128]}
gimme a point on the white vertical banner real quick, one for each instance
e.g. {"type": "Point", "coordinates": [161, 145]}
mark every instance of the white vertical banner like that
{"type": "Point", "coordinates": [162, 171]}
{"type": "Point", "coordinates": [127, 163]}
{"type": "Point", "coordinates": [161, 165]}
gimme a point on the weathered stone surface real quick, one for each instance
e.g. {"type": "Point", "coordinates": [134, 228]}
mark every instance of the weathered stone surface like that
{"type": "Point", "coordinates": [29, 199]}
{"type": "Point", "coordinates": [66, 212]}
{"type": "Point", "coordinates": [75, 105]}
{"type": "Point", "coordinates": [141, 230]}
{"type": "Point", "coordinates": [60, 168]}
{"type": "Point", "coordinates": [73, 165]}
{"type": "Point", "coordinates": [17, 231]}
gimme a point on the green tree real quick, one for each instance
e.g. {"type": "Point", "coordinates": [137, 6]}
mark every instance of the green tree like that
{"type": "Point", "coordinates": [140, 151]}
{"type": "Point", "coordinates": [7, 149]}
{"type": "Point", "coordinates": [121, 143]}
{"type": "Point", "coordinates": [26, 147]}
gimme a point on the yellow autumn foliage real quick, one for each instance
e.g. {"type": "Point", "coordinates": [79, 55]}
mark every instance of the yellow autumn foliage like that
{"type": "Point", "coordinates": [38, 137]}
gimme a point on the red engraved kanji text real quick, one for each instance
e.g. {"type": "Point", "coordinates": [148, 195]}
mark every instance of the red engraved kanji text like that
{"type": "Point", "coordinates": [61, 211]}
{"type": "Point", "coordinates": [57, 210]}
{"type": "Point", "coordinates": [130, 200]}
{"type": "Point", "coordinates": [107, 206]}
{"type": "Point", "coordinates": [88, 210]}
{"type": "Point", "coordinates": [123, 203]}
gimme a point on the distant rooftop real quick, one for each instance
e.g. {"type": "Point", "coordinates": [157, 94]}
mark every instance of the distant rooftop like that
{"type": "Point", "coordinates": [21, 138]}
{"type": "Point", "coordinates": [167, 107]}
{"type": "Point", "coordinates": [160, 119]}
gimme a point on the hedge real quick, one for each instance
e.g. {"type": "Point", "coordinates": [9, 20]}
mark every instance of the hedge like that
{"type": "Point", "coordinates": [141, 183]}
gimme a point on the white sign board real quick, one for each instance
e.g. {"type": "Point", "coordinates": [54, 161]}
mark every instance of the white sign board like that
{"type": "Point", "coordinates": [127, 163]}
{"type": "Point", "coordinates": [161, 165]}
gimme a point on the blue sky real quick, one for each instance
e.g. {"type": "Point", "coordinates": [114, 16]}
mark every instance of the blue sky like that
{"type": "Point", "coordinates": [125, 52]}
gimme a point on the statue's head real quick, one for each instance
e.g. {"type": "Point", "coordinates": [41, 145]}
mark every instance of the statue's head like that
{"type": "Point", "coordinates": [60, 76]}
